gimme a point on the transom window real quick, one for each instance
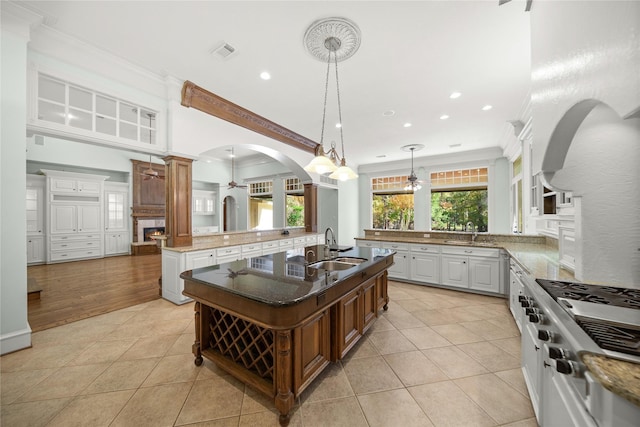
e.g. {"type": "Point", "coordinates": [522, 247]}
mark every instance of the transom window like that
{"type": "Point", "coordinates": [459, 200]}
{"type": "Point", "coordinates": [261, 205]}
{"type": "Point", "coordinates": [294, 192]}
{"type": "Point", "coordinates": [71, 105]}
{"type": "Point", "coordinates": [392, 206]}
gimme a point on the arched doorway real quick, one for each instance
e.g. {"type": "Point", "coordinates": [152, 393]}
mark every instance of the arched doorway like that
{"type": "Point", "coordinates": [229, 214]}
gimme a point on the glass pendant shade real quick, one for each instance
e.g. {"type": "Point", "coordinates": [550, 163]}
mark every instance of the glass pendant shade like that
{"type": "Point", "coordinates": [343, 173]}
{"type": "Point", "coordinates": [321, 164]}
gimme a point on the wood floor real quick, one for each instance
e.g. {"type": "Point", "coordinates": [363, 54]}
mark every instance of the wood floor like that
{"type": "Point", "coordinates": [73, 291]}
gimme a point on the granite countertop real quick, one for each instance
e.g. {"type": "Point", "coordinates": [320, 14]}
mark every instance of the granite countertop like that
{"type": "Point", "coordinates": [283, 278]}
{"type": "Point", "coordinates": [617, 376]}
{"type": "Point", "coordinates": [217, 240]}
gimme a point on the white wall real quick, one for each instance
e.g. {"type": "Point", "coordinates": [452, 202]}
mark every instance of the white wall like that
{"type": "Point", "coordinates": [15, 332]}
{"type": "Point", "coordinates": [585, 82]}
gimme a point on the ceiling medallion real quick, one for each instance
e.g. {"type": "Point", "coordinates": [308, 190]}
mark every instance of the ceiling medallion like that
{"type": "Point", "coordinates": [341, 30]}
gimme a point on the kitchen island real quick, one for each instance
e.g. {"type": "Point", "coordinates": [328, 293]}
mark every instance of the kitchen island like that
{"type": "Point", "coordinates": [276, 321]}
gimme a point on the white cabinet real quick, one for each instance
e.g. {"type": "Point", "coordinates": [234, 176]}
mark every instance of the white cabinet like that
{"type": "Point", "coordinates": [400, 267]}
{"type": "Point", "coordinates": [199, 259]}
{"type": "Point", "coordinates": [473, 268]}
{"type": "Point", "coordinates": [116, 243]}
{"type": "Point", "coordinates": [368, 244]}
{"type": "Point", "coordinates": [251, 250]}
{"type": "Point", "coordinates": [74, 218]}
{"type": "Point", "coordinates": [567, 247]}
{"type": "Point", "coordinates": [299, 242]}
{"type": "Point", "coordinates": [35, 249]}
{"type": "Point", "coordinates": [531, 362]}
{"type": "Point", "coordinates": [35, 205]}
{"type": "Point", "coordinates": [228, 254]}
{"type": "Point", "coordinates": [116, 224]}
{"type": "Point", "coordinates": [173, 264]}
{"type": "Point", "coordinates": [204, 202]}
{"type": "Point", "coordinates": [270, 247]}
{"type": "Point", "coordinates": [74, 186]}
{"type": "Point", "coordinates": [516, 289]}
{"type": "Point", "coordinates": [285, 244]}
{"type": "Point", "coordinates": [425, 263]}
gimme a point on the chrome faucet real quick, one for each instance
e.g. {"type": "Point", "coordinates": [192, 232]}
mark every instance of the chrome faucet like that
{"type": "Point", "coordinates": [326, 238]}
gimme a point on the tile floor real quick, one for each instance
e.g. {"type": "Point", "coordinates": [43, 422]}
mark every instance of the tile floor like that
{"type": "Point", "coordinates": [435, 358]}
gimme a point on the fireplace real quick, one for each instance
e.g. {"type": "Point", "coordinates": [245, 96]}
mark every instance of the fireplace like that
{"type": "Point", "coordinates": [152, 231]}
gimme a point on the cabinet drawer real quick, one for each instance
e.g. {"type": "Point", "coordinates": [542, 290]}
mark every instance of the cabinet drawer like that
{"type": "Point", "coordinates": [227, 252]}
{"type": "Point", "coordinates": [395, 246]}
{"type": "Point", "coordinates": [368, 244]}
{"type": "Point", "coordinates": [270, 245]}
{"type": "Point", "coordinates": [471, 251]}
{"type": "Point", "coordinates": [425, 249]}
{"type": "Point", "coordinates": [286, 243]}
{"type": "Point", "coordinates": [311, 240]}
{"type": "Point", "coordinates": [74, 244]}
{"type": "Point", "coordinates": [73, 237]}
{"type": "Point", "coordinates": [300, 241]}
{"type": "Point", "coordinates": [75, 254]}
{"type": "Point", "coordinates": [252, 248]}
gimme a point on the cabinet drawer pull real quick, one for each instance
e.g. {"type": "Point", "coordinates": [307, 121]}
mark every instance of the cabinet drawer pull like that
{"type": "Point", "coordinates": [468, 252]}
{"type": "Point", "coordinates": [63, 246]}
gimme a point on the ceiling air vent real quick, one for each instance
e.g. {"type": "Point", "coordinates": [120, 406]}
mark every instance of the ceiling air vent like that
{"type": "Point", "coordinates": [223, 51]}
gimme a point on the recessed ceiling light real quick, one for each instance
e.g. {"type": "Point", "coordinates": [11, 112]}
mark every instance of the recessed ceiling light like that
{"type": "Point", "coordinates": [444, 117]}
{"type": "Point", "coordinates": [407, 125]}
{"type": "Point", "coordinates": [381, 156]}
{"type": "Point", "coordinates": [487, 107]}
{"type": "Point", "coordinates": [388, 113]}
{"type": "Point", "coordinates": [338, 125]}
{"type": "Point", "coordinates": [265, 75]}
{"type": "Point", "coordinates": [455, 145]}
{"type": "Point", "coordinates": [455, 95]}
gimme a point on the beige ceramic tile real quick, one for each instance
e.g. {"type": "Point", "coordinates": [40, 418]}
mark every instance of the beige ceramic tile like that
{"type": "Point", "coordinates": [433, 317]}
{"type": "Point", "coordinates": [387, 342]}
{"type": "Point", "coordinates": [211, 399]}
{"type": "Point", "coordinates": [490, 356]}
{"type": "Point", "coordinates": [268, 419]}
{"type": "Point", "coordinates": [150, 347]}
{"type": "Point", "coordinates": [454, 362]}
{"type": "Point", "coordinates": [514, 378]}
{"type": "Point", "coordinates": [393, 408]}
{"type": "Point", "coordinates": [401, 318]}
{"type": "Point", "coordinates": [182, 345]}
{"type": "Point", "coordinates": [488, 331]}
{"type": "Point", "coordinates": [343, 412]}
{"type": "Point", "coordinates": [14, 384]}
{"type": "Point", "coordinates": [332, 383]}
{"type": "Point", "coordinates": [254, 401]}
{"type": "Point", "coordinates": [222, 422]}
{"type": "Point", "coordinates": [447, 405]}
{"type": "Point", "coordinates": [153, 406]}
{"type": "Point", "coordinates": [370, 374]}
{"type": "Point", "coordinates": [42, 357]}
{"type": "Point", "coordinates": [457, 334]}
{"type": "Point", "coordinates": [92, 410]}
{"type": "Point", "coordinates": [425, 337]}
{"type": "Point", "coordinates": [381, 324]}
{"type": "Point", "coordinates": [510, 345]}
{"type": "Point", "coordinates": [173, 369]}
{"type": "Point", "coordinates": [496, 398]}
{"type": "Point", "coordinates": [414, 368]}
{"type": "Point", "coordinates": [30, 414]}
{"type": "Point", "coordinates": [65, 382]}
{"type": "Point", "coordinates": [102, 352]}
{"type": "Point", "coordinates": [122, 375]}
{"type": "Point", "coordinates": [412, 305]}
{"type": "Point", "coordinates": [397, 294]}
{"type": "Point", "coordinates": [363, 348]}
{"type": "Point", "coordinates": [529, 422]}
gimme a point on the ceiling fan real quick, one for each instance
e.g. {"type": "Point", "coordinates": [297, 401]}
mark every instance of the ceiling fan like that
{"type": "Point", "coordinates": [233, 183]}
{"type": "Point", "coordinates": [150, 173]}
{"type": "Point", "coordinates": [413, 183]}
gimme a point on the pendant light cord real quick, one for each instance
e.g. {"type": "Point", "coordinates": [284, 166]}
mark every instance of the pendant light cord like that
{"type": "Point", "coordinates": [339, 107]}
{"type": "Point", "coordinates": [324, 109]}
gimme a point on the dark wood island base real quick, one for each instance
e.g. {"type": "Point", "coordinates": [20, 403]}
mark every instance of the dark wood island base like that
{"type": "Point", "coordinates": [279, 349]}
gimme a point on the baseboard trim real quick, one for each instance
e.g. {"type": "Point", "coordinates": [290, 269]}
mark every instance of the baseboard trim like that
{"type": "Point", "coordinates": [15, 341]}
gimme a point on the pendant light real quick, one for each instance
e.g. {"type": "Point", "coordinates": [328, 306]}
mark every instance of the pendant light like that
{"type": "Point", "coordinates": [413, 183]}
{"type": "Point", "coordinates": [340, 38]}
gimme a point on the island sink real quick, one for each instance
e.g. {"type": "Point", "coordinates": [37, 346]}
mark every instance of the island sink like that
{"type": "Point", "coordinates": [332, 265]}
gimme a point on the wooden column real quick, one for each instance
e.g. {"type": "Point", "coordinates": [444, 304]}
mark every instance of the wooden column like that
{"type": "Point", "coordinates": [178, 201]}
{"type": "Point", "coordinates": [311, 207]}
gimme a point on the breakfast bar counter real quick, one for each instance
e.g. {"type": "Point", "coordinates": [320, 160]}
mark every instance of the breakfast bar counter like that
{"type": "Point", "coordinates": [276, 321]}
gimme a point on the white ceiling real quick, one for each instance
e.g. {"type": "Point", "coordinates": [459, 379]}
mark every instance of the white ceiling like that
{"type": "Point", "coordinates": [413, 55]}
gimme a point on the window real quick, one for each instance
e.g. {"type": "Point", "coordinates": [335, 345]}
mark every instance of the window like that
{"type": "Point", "coordinates": [516, 195]}
{"type": "Point", "coordinates": [294, 191]}
{"type": "Point", "coordinates": [261, 205]}
{"type": "Point", "coordinates": [67, 104]}
{"type": "Point", "coordinates": [392, 206]}
{"type": "Point", "coordinates": [459, 197]}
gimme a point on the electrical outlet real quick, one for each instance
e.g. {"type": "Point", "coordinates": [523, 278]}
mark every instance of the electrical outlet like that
{"type": "Point", "coordinates": [258, 234]}
{"type": "Point", "coordinates": [225, 237]}
{"type": "Point", "coordinates": [377, 233]}
{"type": "Point", "coordinates": [427, 235]}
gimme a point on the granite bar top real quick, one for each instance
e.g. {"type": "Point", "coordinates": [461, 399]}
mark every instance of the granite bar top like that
{"type": "Point", "coordinates": [236, 238]}
{"type": "Point", "coordinates": [617, 376]}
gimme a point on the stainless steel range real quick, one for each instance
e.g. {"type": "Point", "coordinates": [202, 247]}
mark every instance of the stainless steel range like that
{"type": "Point", "coordinates": [560, 321]}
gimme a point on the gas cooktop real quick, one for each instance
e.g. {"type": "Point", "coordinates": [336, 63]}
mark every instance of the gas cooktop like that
{"type": "Point", "coordinates": [609, 315]}
{"type": "Point", "coordinates": [610, 295]}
